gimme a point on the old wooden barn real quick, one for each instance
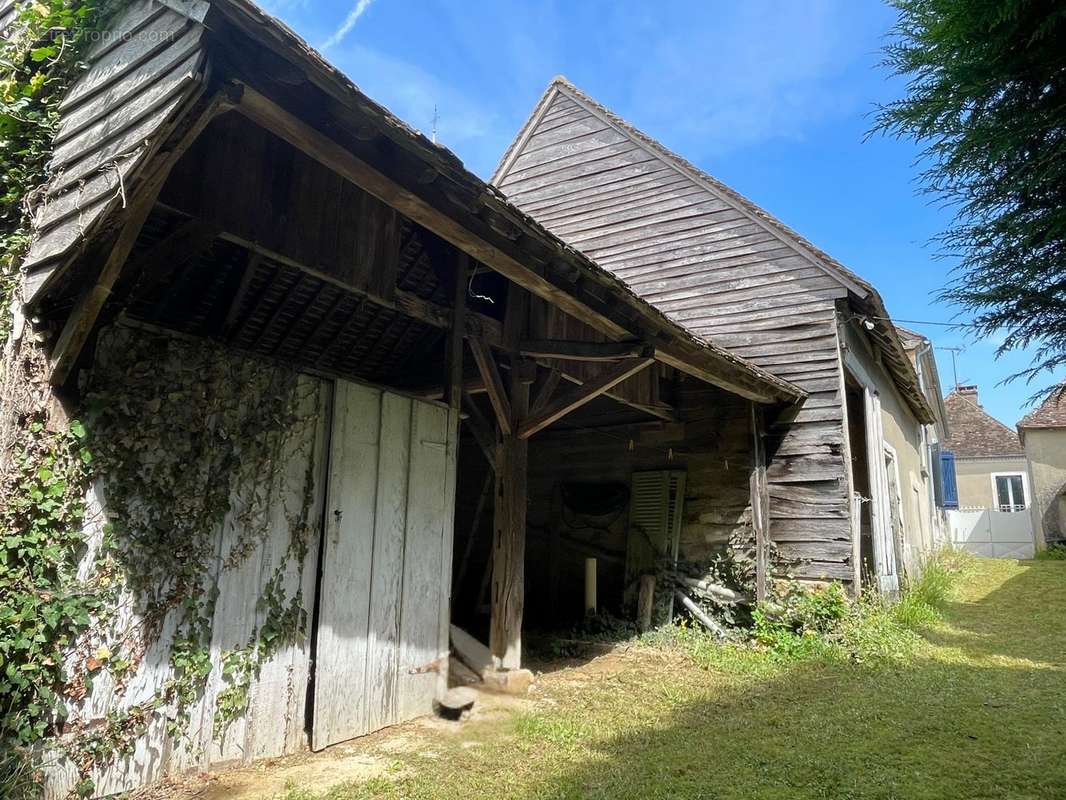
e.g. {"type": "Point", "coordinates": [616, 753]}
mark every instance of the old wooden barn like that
{"type": "Point", "coordinates": [313, 345]}
{"type": "Point", "coordinates": [850, 478]}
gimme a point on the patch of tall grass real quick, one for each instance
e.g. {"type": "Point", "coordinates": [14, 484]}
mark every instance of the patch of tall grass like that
{"type": "Point", "coordinates": [824, 624]}
{"type": "Point", "coordinates": [1055, 552]}
{"type": "Point", "coordinates": [18, 779]}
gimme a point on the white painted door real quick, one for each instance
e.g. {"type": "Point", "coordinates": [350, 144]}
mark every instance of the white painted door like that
{"type": "Point", "coordinates": [387, 548]}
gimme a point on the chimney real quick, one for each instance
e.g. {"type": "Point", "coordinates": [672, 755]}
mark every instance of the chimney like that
{"type": "Point", "coordinates": [969, 391]}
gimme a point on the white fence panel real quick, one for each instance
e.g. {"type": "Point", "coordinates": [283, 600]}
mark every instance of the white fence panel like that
{"type": "Point", "coordinates": [992, 534]}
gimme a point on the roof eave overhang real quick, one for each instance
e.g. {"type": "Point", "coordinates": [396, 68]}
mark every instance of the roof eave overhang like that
{"type": "Point", "coordinates": [674, 345]}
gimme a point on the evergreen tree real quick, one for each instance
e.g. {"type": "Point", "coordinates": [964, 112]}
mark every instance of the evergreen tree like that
{"type": "Point", "coordinates": [986, 97]}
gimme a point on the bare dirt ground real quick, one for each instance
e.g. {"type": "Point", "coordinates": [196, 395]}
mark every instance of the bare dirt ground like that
{"type": "Point", "coordinates": [377, 755]}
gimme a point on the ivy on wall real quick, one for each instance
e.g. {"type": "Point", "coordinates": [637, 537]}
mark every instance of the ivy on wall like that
{"type": "Point", "coordinates": [40, 56]}
{"type": "Point", "coordinates": [111, 517]}
{"type": "Point", "coordinates": [192, 445]}
{"type": "Point", "coordinates": [45, 463]}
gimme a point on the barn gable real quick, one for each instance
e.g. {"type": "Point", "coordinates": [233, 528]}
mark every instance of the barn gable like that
{"type": "Point", "coordinates": [708, 257]}
{"type": "Point", "coordinates": [726, 270]}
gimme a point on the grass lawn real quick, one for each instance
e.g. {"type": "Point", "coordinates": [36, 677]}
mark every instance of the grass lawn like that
{"type": "Point", "coordinates": [974, 707]}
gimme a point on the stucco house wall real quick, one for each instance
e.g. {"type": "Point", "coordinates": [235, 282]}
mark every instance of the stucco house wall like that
{"type": "Point", "coordinates": [1045, 452]}
{"type": "Point", "coordinates": [974, 476]}
{"type": "Point", "coordinates": [903, 434]}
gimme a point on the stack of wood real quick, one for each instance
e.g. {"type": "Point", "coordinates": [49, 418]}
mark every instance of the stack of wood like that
{"type": "Point", "coordinates": [684, 589]}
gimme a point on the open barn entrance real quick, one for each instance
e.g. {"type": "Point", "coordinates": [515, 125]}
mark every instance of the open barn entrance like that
{"type": "Point", "coordinates": [616, 495]}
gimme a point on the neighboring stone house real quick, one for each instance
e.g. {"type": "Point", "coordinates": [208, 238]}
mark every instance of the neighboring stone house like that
{"type": "Point", "coordinates": [1043, 435]}
{"type": "Point", "coordinates": [989, 459]}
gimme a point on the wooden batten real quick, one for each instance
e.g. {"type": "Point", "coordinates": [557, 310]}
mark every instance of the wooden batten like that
{"type": "Point", "coordinates": [581, 350]}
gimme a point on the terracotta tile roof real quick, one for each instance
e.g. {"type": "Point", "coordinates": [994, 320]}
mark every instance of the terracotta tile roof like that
{"type": "Point", "coordinates": [1050, 414]}
{"type": "Point", "coordinates": [974, 432]}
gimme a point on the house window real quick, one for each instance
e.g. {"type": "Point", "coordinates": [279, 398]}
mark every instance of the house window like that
{"type": "Point", "coordinates": [1009, 488]}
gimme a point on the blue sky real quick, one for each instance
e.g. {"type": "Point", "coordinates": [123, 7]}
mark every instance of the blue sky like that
{"type": "Point", "coordinates": [772, 97]}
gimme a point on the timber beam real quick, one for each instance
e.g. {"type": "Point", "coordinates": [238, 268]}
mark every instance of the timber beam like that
{"type": "Point", "coordinates": [580, 395]}
{"type": "Point", "coordinates": [581, 351]}
{"type": "Point", "coordinates": [490, 374]}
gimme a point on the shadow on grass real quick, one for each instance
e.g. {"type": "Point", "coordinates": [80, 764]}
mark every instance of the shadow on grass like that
{"type": "Point", "coordinates": [946, 723]}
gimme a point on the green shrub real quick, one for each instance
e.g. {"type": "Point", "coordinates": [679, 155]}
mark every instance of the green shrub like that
{"type": "Point", "coordinates": [824, 623]}
{"type": "Point", "coordinates": [802, 626]}
{"type": "Point", "coordinates": [1055, 552]}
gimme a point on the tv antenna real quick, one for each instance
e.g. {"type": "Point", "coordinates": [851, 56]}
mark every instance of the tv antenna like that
{"type": "Point", "coordinates": [954, 364]}
{"type": "Point", "coordinates": [436, 119]}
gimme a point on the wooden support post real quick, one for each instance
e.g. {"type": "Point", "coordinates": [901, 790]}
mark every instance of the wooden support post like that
{"type": "Point", "coordinates": [760, 505]}
{"type": "Point", "coordinates": [645, 602]}
{"type": "Point", "coordinates": [457, 333]}
{"type": "Point", "coordinates": [591, 604]}
{"type": "Point", "coordinates": [509, 535]}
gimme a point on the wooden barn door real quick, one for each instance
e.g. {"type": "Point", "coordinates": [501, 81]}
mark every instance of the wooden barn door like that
{"type": "Point", "coordinates": [386, 562]}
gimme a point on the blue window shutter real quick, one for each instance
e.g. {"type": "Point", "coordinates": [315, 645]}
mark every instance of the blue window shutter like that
{"type": "Point", "coordinates": [950, 496]}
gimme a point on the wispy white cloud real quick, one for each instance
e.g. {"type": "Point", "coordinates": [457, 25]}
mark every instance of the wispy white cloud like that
{"type": "Point", "coordinates": [345, 28]}
{"type": "Point", "coordinates": [710, 83]}
{"type": "Point", "coordinates": [466, 124]}
{"type": "Point", "coordinates": [282, 6]}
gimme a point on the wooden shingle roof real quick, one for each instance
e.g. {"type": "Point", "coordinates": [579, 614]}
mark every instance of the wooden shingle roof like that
{"type": "Point", "coordinates": [974, 433]}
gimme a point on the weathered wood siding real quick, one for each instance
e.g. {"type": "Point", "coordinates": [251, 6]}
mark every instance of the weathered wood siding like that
{"type": "Point", "coordinates": [274, 722]}
{"type": "Point", "coordinates": [148, 67]}
{"type": "Point", "coordinates": [708, 261]}
{"type": "Point", "coordinates": [387, 547]}
{"type": "Point", "coordinates": [302, 210]}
